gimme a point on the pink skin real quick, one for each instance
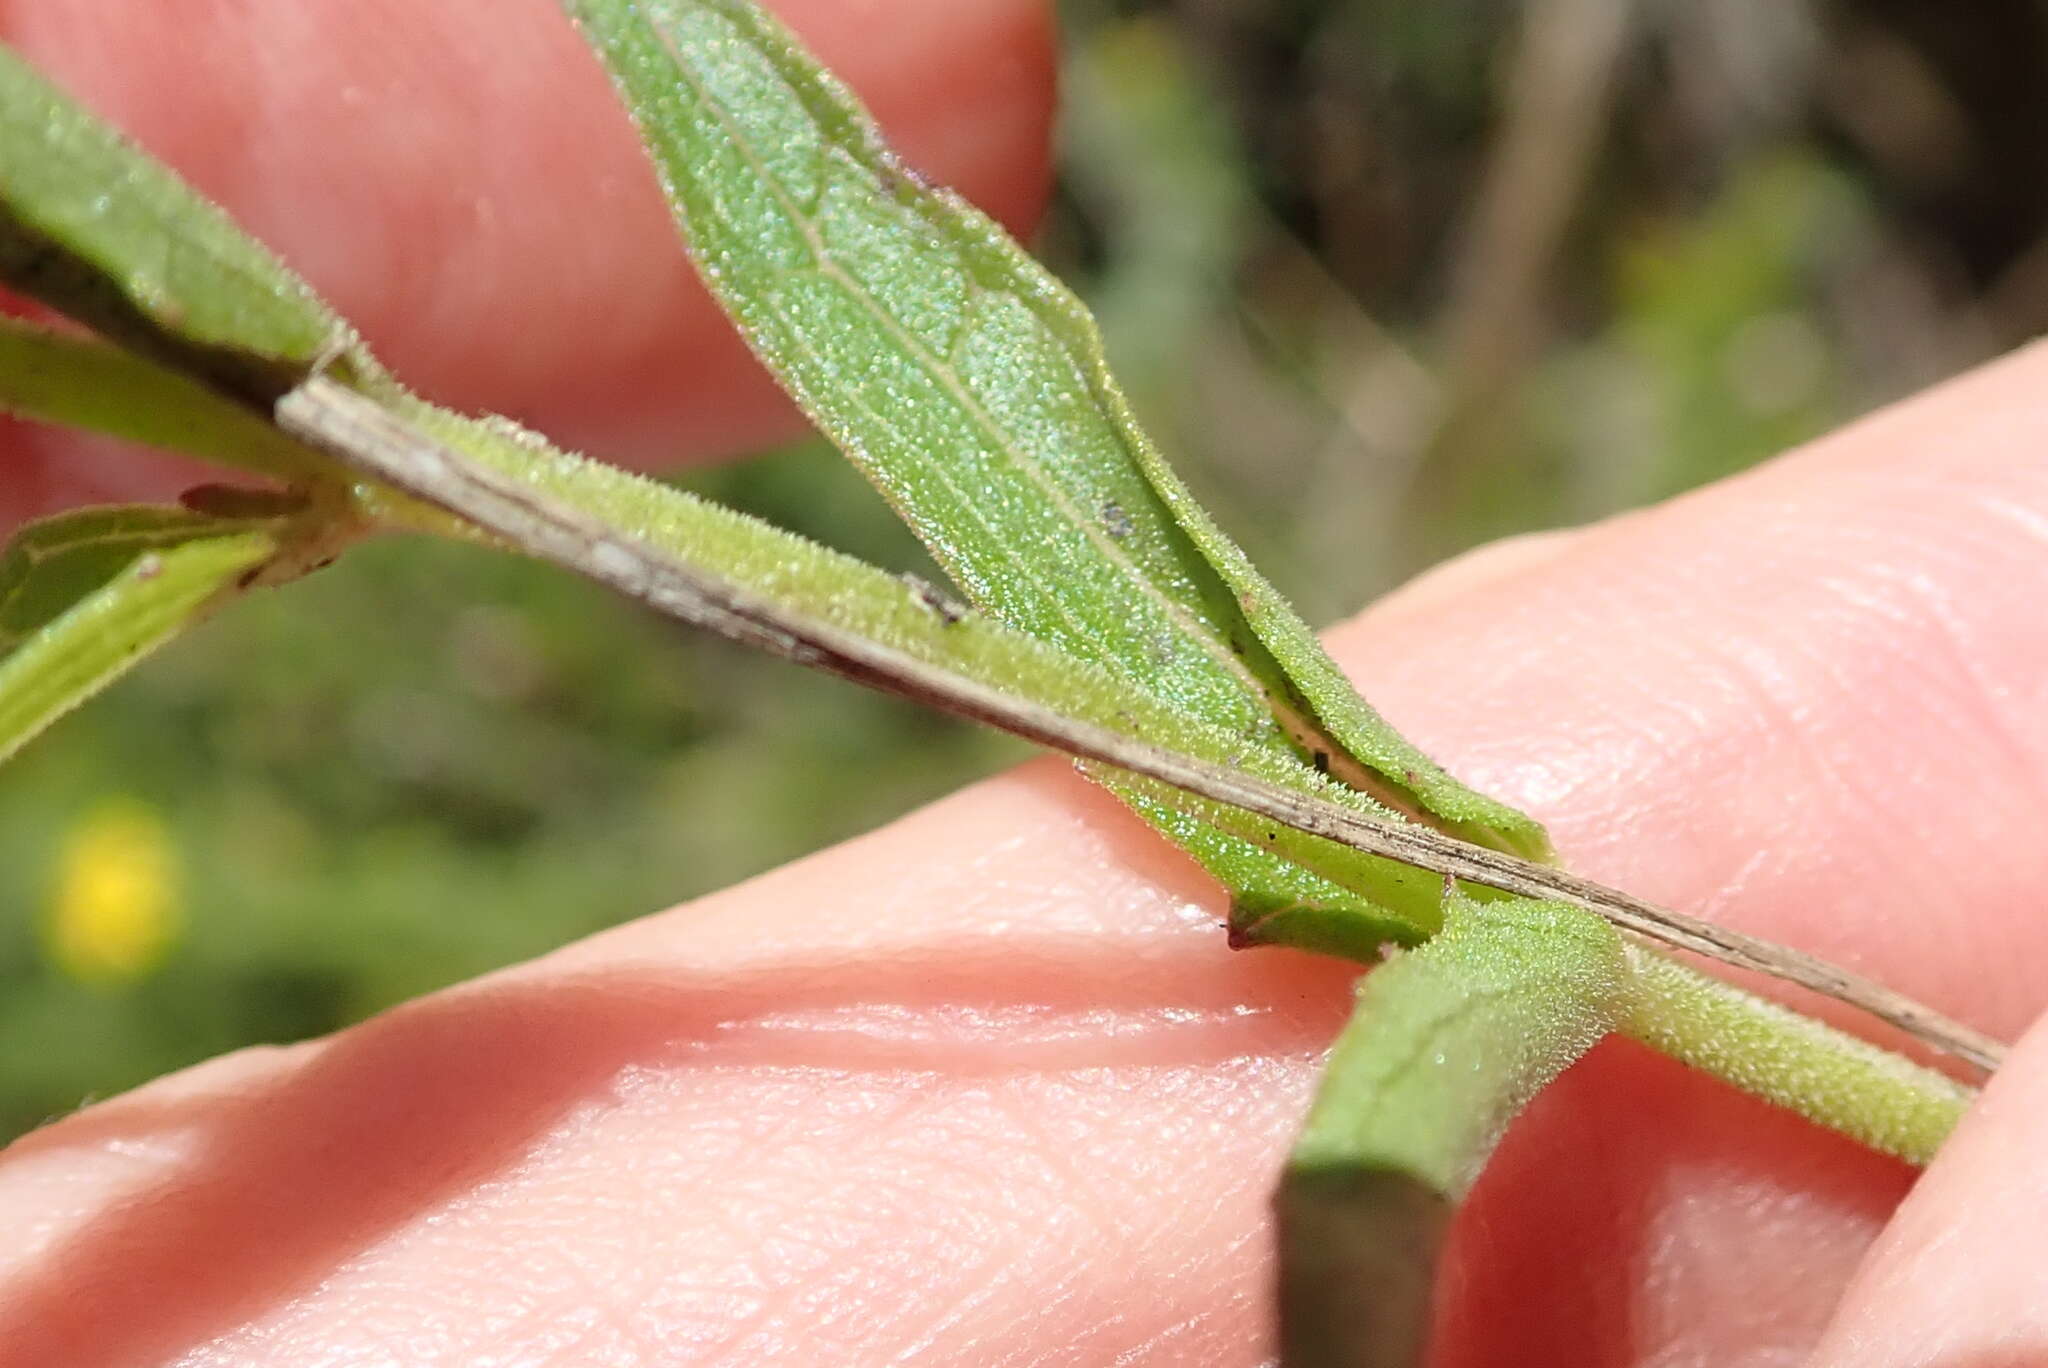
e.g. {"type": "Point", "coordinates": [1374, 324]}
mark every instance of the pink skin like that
{"type": "Point", "coordinates": [458, 179]}
{"type": "Point", "coordinates": [985, 1086]}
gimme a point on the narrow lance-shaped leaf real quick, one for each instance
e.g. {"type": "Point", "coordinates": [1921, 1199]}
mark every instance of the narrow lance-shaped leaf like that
{"type": "Point", "coordinates": [82, 382]}
{"type": "Point", "coordinates": [103, 232]}
{"type": "Point", "coordinates": [51, 565]}
{"type": "Point", "coordinates": [1448, 1042]}
{"type": "Point", "coordinates": [52, 377]}
{"type": "Point", "coordinates": [970, 385]}
{"type": "Point", "coordinates": [89, 644]}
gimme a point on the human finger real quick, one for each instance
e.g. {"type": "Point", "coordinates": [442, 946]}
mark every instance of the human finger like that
{"type": "Point", "coordinates": [1955, 1279]}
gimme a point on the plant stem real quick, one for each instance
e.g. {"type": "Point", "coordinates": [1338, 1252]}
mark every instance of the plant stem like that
{"type": "Point", "coordinates": [379, 443]}
{"type": "Point", "coordinates": [1831, 1078]}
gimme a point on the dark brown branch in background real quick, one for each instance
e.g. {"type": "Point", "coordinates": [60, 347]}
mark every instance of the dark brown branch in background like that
{"type": "Point", "coordinates": [379, 444]}
{"type": "Point", "coordinates": [1552, 127]}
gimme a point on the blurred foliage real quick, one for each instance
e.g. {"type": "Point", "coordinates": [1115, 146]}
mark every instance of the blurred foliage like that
{"type": "Point", "coordinates": [1388, 279]}
{"type": "Point", "coordinates": [423, 763]}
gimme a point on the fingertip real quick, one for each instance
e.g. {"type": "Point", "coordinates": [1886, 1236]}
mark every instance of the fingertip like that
{"type": "Point", "coordinates": [1954, 1281]}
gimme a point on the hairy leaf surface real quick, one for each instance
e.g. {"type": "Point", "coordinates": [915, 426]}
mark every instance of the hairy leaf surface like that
{"type": "Point", "coordinates": [971, 387]}
{"type": "Point", "coordinates": [105, 629]}
{"type": "Point", "coordinates": [81, 382]}
{"type": "Point", "coordinates": [1447, 1043]}
{"type": "Point", "coordinates": [120, 243]}
{"type": "Point", "coordinates": [106, 234]}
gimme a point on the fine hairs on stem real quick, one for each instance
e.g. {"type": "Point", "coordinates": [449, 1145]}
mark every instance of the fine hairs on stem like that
{"type": "Point", "coordinates": [383, 446]}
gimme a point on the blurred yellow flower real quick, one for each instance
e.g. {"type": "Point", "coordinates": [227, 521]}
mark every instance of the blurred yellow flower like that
{"type": "Point", "coordinates": [114, 913]}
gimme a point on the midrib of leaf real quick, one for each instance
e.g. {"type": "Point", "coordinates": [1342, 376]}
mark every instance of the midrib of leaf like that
{"type": "Point", "coordinates": [1216, 835]}
{"type": "Point", "coordinates": [946, 371]}
{"type": "Point", "coordinates": [969, 321]}
{"type": "Point", "coordinates": [801, 214]}
{"type": "Point", "coordinates": [1053, 494]}
{"type": "Point", "coordinates": [1266, 891]}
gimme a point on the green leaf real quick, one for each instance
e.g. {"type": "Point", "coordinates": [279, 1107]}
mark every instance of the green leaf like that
{"type": "Point", "coordinates": [1448, 1043]}
{"type": "Point", "coordinates": [103, 232]}
{"type": "Point", "coordinates": [51, 565]}
{"type": "Point", "coordinates": [971, 387]}
{"type": "Point", "coordinates": [111, 624]}
{"type": "Point", "coordinates": [52, 377]}
{"type": "Point", "coordinates": [204, 320]}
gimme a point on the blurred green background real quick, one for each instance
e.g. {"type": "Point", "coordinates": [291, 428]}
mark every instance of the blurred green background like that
{"type": "Point", "coordinates": [1389, 278]}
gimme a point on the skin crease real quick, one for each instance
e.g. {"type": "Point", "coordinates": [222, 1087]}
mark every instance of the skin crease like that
{"type": "Point", "coordinates": [985, 1087]}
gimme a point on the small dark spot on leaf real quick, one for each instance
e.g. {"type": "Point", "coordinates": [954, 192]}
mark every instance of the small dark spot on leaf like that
{"type": "Point", "coordinates": [950, 610]}
{"type": "Point", "coordinates": [241, 501]}
{"type": "Point", "coordinates": [1321, 760]}
{"type": "Point", "coordinates": [1115, 521]}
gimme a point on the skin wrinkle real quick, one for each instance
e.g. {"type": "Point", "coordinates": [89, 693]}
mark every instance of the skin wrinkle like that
{"type": "Point", "coordinates": [1900, 600]}
{"type": "Point", "coordinates": [1773, 1312]}
{"type": "Point", "coordinates": [830, 1303]}
{"type": "Point", "coordinates": [1596, 535]}
{"type": "Point", "coordinates": [1050, 1303]}
{"type": "Point", "coordinates": [1994, 705]}
{"type": "Point", "coordinates": [875, 1036]}
{"type": "Point", "coordinates": [2031, 522]}
{"type": "Point", "coordinates": [1734, 887]}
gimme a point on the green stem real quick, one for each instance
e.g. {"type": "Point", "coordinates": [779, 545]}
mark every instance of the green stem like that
{"type": "Point", "coordinates": [1831, 1078]}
